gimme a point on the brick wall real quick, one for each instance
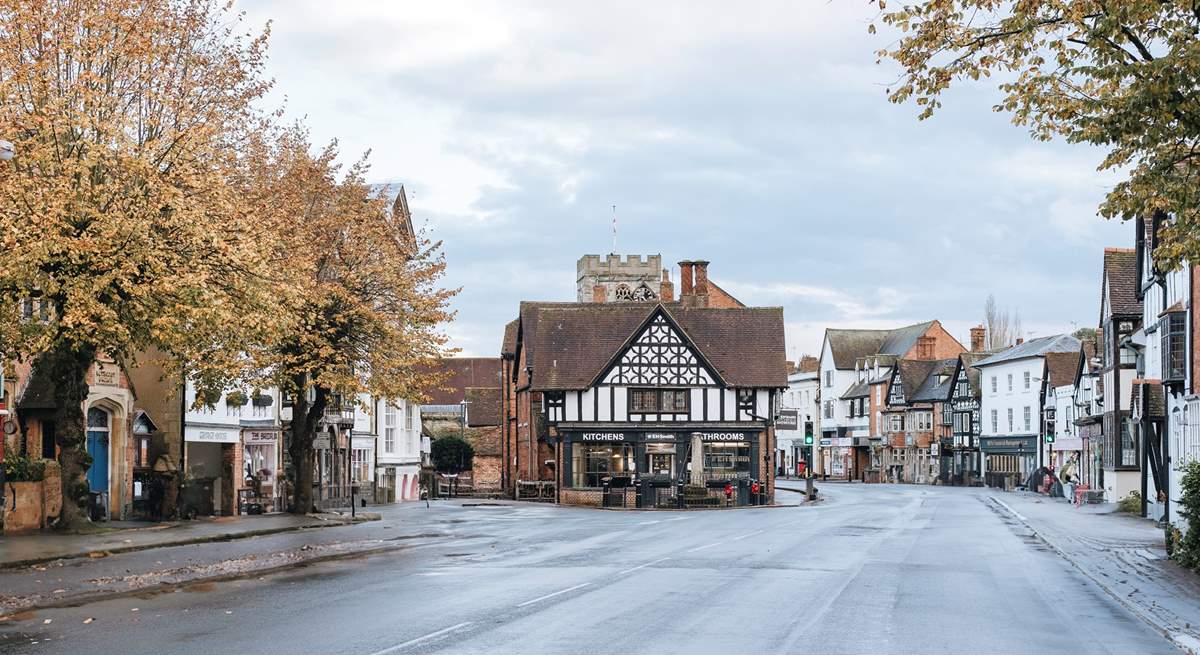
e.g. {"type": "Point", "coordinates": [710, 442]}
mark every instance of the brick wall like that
{"type": "Point", "coordinates": [944, 346]}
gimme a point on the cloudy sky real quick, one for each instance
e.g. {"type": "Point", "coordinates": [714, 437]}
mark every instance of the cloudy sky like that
{"type": "Point", "coordinates": [755, 135]}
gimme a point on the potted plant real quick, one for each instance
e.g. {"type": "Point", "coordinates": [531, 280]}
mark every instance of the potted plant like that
{"type": "Point", "coordinates": [236, 399]}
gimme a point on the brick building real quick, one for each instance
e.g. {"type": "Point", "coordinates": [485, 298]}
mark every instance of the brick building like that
{"type": "Point", "coordinates": [467, 404]}
{"type": "Point", "coordinates": [657, 393]}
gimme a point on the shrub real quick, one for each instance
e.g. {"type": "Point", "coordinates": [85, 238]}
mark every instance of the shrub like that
{"type": "Point", "coordinates": [1187, 550]}
{"type": "Point", "coordinates": [451, 455]}
{"type": "Point", "coordinates": [23, 468]}
{"type": "Point", "coordinates": [1131, 504]}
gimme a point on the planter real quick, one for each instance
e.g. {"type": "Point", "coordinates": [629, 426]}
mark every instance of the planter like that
{"type": "Point", "coordinates": [24, 507]}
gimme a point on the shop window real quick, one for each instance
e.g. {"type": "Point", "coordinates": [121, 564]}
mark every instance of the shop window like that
{"type": "Point", "coordinates": [592, 465]}
{"type": "Point", "coordinates": [658, 401]}
{"type": "Point", "coordinates": [726, 460]}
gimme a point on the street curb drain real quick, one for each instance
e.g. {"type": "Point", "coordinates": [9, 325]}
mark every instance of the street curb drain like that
{"type": "Point", "coordinates": [1183, 642]}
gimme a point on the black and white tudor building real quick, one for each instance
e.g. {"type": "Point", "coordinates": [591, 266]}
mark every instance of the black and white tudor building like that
{"type": "Point", "coordinates": [660, 394]}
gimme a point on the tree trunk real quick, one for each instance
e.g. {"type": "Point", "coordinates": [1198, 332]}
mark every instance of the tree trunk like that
{"type": "Point", "coordinates": [306, 418]}
{"type": "Point", "coordinates": [68, 365]}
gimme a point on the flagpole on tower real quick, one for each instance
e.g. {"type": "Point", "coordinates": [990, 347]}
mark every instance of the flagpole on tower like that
{"type": "Point", "coordinates": [614, 228]}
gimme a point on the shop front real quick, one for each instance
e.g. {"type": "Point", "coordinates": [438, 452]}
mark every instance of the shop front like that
{"type": "Point", "coordinates": [1008, 461]}
{"type": "Point", "coordinates": [650, 467]}
{"type": "Point", "coordinates": [261, 490]}
{"type": "Point", "coordinates": [212, 472]}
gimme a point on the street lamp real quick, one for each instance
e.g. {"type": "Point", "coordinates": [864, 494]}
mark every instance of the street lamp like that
{"type": "Point", "coordinates": [7, 150]}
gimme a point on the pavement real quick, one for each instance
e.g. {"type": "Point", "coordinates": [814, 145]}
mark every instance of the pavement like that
{"type": "Point", "coordinates": [1123, 554]}
{"type": "Point", "coordinates": [26, 550]}
{"type": "Point", "coordinates": [871, 569]}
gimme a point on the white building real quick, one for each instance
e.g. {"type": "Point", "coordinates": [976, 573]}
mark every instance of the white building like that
{"type": "Point", "coordinates": [399, 450]}
{"type": "Point", "coordinates": [232, 451]}
{"type": "Point", "coordinates": [801, 397]}
{"type": "Point", "coordinates": [1011, 409]}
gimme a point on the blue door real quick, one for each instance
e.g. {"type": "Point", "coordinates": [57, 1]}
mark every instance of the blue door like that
{"type": "Point", "coordinates": [98, 431]}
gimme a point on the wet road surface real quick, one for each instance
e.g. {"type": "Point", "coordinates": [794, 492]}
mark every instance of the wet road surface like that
{"type": "Point", "coordinates": [875, 569]}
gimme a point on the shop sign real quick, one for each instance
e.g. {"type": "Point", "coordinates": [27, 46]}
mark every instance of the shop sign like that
{"type": "Point", "coordinates": [843, 442]}
{"type": "Point", "coordinates": [933, 449]}
{"type": "Point", "coordinates": [321, 442]}
{"type": "Point", "coordinates": [1009, 444]}
{"type": "Point", "coordinates": [211, 435]}
{"type": "Point", "coordinates": [107, 375]}
{"type": "Point", "coordinates": [827, 442]}
{"type": "Point", "coordinates": [260, 437]}
{"type": "Point", "coordinates": [721, 436]}
{"type": "Point", "coordinates": [602, 436]}
{"type": "Point", "coordinates": [660, 436]}
{"type": "Point", "coordinates": [788, 419]}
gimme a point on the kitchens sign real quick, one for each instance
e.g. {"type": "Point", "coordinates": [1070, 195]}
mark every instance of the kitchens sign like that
{"type": "Point", "coordinates": [603, 436]}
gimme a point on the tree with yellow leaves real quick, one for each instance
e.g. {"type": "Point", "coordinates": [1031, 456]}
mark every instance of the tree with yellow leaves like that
{"type": "Point", "coordinates": [121, 215]}
{"type": "Point", "coordinates": [1119, 74]}
{"type": "Point", "coordinates": [364, 307]}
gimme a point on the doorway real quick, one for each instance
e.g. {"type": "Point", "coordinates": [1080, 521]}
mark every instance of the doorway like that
{"type": "Point", "coordinates": [99, 432]}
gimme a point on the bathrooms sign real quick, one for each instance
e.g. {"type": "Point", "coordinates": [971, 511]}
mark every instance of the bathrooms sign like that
{"type": "Point", "coordinates": [721, 436]}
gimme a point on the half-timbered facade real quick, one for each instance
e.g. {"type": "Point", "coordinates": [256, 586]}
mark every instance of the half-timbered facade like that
{"type": "Point", "coordinates": [965, 422]}
{"type": "Point", "coordinates": [646, 396]}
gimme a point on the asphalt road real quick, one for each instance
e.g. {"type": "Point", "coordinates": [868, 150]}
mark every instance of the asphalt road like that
{"type": "Point", "coordinates": [875, 569]}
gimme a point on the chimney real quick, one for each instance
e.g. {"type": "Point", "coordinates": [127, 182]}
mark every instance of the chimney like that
{"type": "Point", "coordinates": [1020, 341]}
{"type": "Point", "coordinates": [666, 290]}
{"type": "Point", "coordinates": [599, 293]}
{"type": "Point", "coordinates": [978, 334]}
{"type": "Point", "coordinates": [701, 284]}
{"type": "Point", "coordinates": [685, 278]}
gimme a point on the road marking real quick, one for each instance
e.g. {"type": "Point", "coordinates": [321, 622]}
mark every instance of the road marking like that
{"type": "Point", "coordinates": [648, 522]}
{"type": "Point", "coordinates": [681, 518]}
{"type": "Point", "coordinates": [748, 534]}
{"type": "Point", "coordinates": [636, 568]}
{"type": "Point", "coordinates": [418, 640]}
{"type": "Point", "coordinates": [708, 546]}
{"type": "Point", "coordinates": [557, 593]}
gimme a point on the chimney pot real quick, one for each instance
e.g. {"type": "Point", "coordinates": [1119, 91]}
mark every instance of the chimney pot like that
{"type": "Point", "coordinates": [666, 291]}
{"type": "Point", "coordinates": [685, 278]}
{"type": "Point", "coordinates": [978, 338]}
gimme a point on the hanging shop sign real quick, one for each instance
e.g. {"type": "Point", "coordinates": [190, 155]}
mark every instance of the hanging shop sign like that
{"type": "Point", "coordinates": [788, 419]}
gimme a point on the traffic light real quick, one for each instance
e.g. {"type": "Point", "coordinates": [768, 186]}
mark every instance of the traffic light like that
{"type": "Point", "coordinates": [1050, 438]}
{"type": "Point", "coordinates": [808, 433]}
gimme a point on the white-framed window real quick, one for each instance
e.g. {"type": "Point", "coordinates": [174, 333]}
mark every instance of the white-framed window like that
{"type": "Point", "coordinates": [993, 384]}
{"type": "Point", "coordinates": [895, 423]}
{"type": "Point", "coordinates": [408, 416]}
{"type": "Point", "coordinates": [1010, 419]}
{"type": "Point", "coordinates": [828, 409]}
{"type": "Point", "coordinates": [923, 421]}
{"type": "Point", "coordinates": [1028, 417]}
{"type": "Point", "coordinates": [829, 378]}
{"type": "Point", "coordinates": [389, 428]}
{"type": "Point", "coordinates": [1027, 378]}
{"type": "Point", "coordinates": [1010, 381]}
{"type": "Point", "coordinates": [995, 420]}
{"type": "Point", "coordinates": [360, 465]}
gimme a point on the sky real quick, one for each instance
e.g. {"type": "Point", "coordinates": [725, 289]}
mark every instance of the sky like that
{"type": "Point", "coordinates": [755, 135]}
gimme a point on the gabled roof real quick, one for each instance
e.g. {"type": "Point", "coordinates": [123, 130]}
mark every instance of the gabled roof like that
{"type": "Point", "coordinates": [1061, 367]}
{"type": "Point", "coordinates": [933, 390]}
{"type": "Point", "coordinates": [461, 373]}
{"type": "Point", "coordinates": [848, 346]}
{"type": "Point", "coordinates": [569, 344]}
{"type": "Point", "coordinates": [1059, 343]}
{"type": "Point", "coordinates": [509, 345]}
{"type": "Point", "coordinates": [913, 373]}
{"type": "Point", "coordinates": [969, 359]}
{"type": "Point", "coordinates": [1121, 283]}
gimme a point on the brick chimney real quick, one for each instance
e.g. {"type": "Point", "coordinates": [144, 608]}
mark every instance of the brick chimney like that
{"type": "Point", "coordinates": [599, 293]}
{"type": "Point", "coordinates": [685, 278]}
{"type": "Point", "coordinates": [701, 284]}
{"type": "Point", "coordinates": [978, 336]}
{"type": "Point", "coordinates": [1020, 341]}
{"type": "Point", "coordinates": [666, 290]}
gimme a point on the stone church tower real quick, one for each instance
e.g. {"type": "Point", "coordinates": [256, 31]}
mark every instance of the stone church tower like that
{"type": "Point", "coordinates": [632, 279]}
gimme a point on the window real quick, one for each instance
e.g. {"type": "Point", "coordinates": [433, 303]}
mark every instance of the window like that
{"type": "Point", "coordinates": [828, 409]}
{"type": "Point", "coordinates": [1027, 379]}
{"type": "Point", "coordinates": [993, 384]}
{"type": "Point", "coordinates": [895, 423]}
{"type": "Point", "coordinates": [141, 453]}
{"type": "Point", "coordinates": [592, 465]}
{"type": "Point", "coordinates": [995, 421]}
{"type": "Point", "coordinates": [1028, 417]}
{"type": "Point", "coordinates": [389, 428]}
{"type": "Point", "coordinates": [48, 450]}
{"type": "Point", "coordinates": [922, 421]}
{"type": "Point", "coordinates": [1173, 330]}
{"type": "Point", "coordinates": [1010, 381]}
{"type": "Point", "coordinates": [723, 460]}
{"type": "Point", "coordinates": [1010, 419]}
{"type": "Point", "coordinates": [829, 378]}
{"type": "Point", "coordinates": [1128, 446]}
{"type": "Point", "coordinates": [658, 401]}
{"type": "Point", "coordinates": [360, 465]}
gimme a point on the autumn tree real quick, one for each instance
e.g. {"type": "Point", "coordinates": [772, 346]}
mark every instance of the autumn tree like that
{"type": "Point", "coordinates": [118, 218]}
{"type": "Point", "coordinates": [1118, 74]}
{"type": "Point", "coordinates": [1002, 328]}
{"type": "Point", "coordinates": [362, 292]}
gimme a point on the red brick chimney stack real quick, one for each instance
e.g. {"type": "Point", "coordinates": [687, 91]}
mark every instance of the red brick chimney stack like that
{"type": "Point", "coordinates": [666, 291]}
{"type": "Point", "coordinates": [685, 278]}
{"type": "Point", "coordinates": [701, 283]}
{"type": "Point", "coordinates": [978, 336]}
{"type": "Point", "coordinates": [1020, 341]}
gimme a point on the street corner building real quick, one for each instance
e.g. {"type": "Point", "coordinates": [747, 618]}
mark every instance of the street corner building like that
{"type": "Point", "coordinates": [649, 402]}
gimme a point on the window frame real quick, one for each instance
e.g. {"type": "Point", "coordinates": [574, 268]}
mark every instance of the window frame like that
{"type": "Point", "coordinates": [659, 395]}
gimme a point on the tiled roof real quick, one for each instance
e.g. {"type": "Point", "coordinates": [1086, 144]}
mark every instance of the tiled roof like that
{"type": "Point", "coordinates": [849, 345]}
{"type": "Point", "coordinates": [509, 346]}
{"type": "Point", "coordinates": [1059, 343]}
{"type": "Point", "coordinates": [859, 389]}
{"type": "Point", "coordinates": [568, 344]}
{"type": "Point", "coordinates": [1061, 368]}
{"type": "Point", "coordinates": [913, 373]}
{"type": "Point", "coordinates": [484, 409]}
{"type": "Point", "coordinates": [931, 389]}
{"type": "Point", "coordinates": [1120, 279]}
{"type": "Point", "coordinates": [461, 373]}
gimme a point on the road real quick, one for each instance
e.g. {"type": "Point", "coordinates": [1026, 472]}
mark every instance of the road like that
{"type": "Point", "coordinates": [875, 569]}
